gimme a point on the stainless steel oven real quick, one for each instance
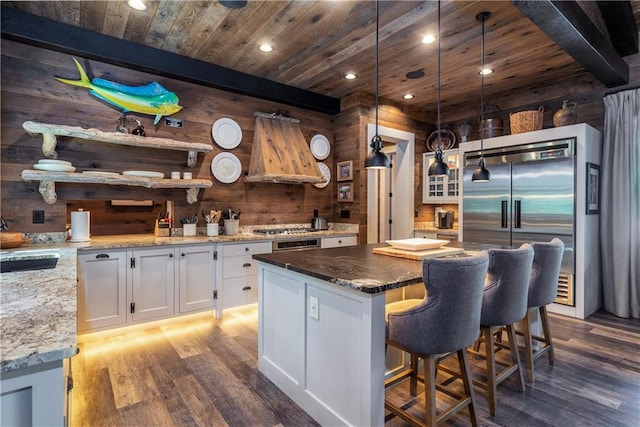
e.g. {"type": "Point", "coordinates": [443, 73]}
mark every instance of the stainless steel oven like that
{"type": "Point", "coordinates": [296, 244]}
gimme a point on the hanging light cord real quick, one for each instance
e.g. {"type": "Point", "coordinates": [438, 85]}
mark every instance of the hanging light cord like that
{"type": "Point", "coordinates": [482, 93]}
{"type": "Point", "coordinates": [377, 35]}
{"type": "Point", "coordinates": [438, 76]}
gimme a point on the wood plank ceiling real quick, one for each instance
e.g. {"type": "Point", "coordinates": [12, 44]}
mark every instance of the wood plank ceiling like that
{"type": "Point", "coordinates": [317, 42]}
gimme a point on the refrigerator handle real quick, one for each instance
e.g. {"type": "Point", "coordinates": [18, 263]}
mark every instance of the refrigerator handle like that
{"type": "Point", "coordinates": [517, 223]}
{"type": "Point", "coordinates": [503, 216]}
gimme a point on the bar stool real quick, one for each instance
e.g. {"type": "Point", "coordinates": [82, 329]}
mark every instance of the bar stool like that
{"type": "Point", "coordinates": [543, 289]}
{"type": "Point", "coordinates": [504, 302]}
{"type": "Point", "coordinates": [445, 322]}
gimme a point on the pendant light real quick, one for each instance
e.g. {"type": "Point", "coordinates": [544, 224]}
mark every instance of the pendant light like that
{"type": "Point", "coordinates": [376, 159]}
{"type": "Point", "coordinates": [482, 174]}
{"type": "Point", "coordinates": [438, 167]}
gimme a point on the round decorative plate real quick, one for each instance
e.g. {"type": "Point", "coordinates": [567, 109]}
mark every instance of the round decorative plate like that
{"type": "Point", "coordinates": [227, 133]}
{"type": "Point", "coordinates": [144, 174]}
{"type": "Point", "coordinates": [226, 167]}
{"type": "Point", "coordinates": [320, 147]}
{"type": "Point", "coordinates": [53, 167]}
{"type": "Point", "coordinates": [446, 140]}
{"type": "Point", "coordinates": [326, 174]}
{"type": "Point", "coordinates": [54, 162]}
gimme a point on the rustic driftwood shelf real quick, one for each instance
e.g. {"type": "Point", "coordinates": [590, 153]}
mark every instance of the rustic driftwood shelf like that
{"type": "Point", "coordinates": [48, 182]}
{"type": "Point", "coordinates": [50, 131]}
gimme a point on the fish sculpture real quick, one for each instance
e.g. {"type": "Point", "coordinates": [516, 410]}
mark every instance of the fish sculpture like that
{"type": "Point", "coordinates": [152, 99]}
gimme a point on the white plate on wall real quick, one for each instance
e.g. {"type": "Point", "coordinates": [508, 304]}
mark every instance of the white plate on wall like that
{"type": "Point", "coordinates": [320, 147]}
{"type": "Point", "coordinates": [53, 167]}
{"type": "Point", "coordinates": [417, 244]}
{"type": "Point", "coordinates": [144, 174]}
{"type": "Point", "coordinates": [226, 167]}
{"type": "Point", "coordinates": [326, 174]}
{"type": "Point", "coordinates": [226, 133]}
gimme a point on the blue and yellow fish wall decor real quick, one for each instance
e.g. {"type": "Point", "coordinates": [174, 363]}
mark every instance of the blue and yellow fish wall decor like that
{"type": "Point", "coordinates": [150, 99]}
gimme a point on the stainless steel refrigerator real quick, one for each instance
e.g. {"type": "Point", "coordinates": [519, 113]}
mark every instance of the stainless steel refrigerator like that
{"type": "Point", "coordinates": [531, 197]}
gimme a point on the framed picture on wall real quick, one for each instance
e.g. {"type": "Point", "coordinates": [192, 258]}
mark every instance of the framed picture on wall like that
{"type": "Point", "coordinates": [593, 189]}
{"type": "Point", "coordinates": [345, 192]}
{"type": "Point", "coordinates": [345, 171]}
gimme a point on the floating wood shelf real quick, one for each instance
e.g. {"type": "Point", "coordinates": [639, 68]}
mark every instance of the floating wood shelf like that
{"type": "Point", "coordinates": [48, 182]}
{"type": "Point", "coordinates": [50, 131]}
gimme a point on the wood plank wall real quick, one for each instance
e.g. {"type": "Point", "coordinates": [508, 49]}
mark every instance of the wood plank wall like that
{"type": "Point", "coordinates": [30, 92]}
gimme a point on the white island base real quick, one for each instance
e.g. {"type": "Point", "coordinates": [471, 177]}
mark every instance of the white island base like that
{"type": "Point", "coordinates": [323, 346]}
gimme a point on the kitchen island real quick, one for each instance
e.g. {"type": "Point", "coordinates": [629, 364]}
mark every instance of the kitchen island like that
{"type": "Point", "coordinates": [321, 329]}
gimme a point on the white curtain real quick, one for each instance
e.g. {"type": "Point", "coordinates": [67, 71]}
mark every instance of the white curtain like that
{"type": "Point", "coordinates": [620, 204]}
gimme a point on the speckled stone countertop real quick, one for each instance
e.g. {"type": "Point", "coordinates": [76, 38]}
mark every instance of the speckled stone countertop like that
{"type": "Point", "coordinates": [356, 267]}
{"type": "Point", "coordinates": [428, 226]}
{"type": "Point", "coordinates": [38, 316]}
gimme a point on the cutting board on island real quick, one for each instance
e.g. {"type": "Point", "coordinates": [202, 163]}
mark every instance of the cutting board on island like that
{"type": "Point", "coordinates": [417, 255]}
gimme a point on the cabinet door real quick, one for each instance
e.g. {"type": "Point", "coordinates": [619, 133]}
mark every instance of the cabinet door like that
{"type": "Point", "coordinates": [152, 284]}
{"type": "Point", "coordinates": [335, 242]}
{"type": "Point", "coordinates": [239, 291]}
{"type": "Point", "coordinates": [424, 234]}
{"type": "Point", "coordinates": [196, 277]}
{"type": "Point", "coordinates": [102, 290]}
{"type": "Point", "coordinates": [441, 189]}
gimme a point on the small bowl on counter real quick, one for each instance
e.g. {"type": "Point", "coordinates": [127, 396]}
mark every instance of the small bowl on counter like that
{"type": "Point", "coordinates": [12, 240]}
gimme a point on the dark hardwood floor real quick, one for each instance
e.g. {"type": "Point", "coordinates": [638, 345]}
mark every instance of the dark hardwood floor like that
{"type": "Point", "coordinates": [204, 373]}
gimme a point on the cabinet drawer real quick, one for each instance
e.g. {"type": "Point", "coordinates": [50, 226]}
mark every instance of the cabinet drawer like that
{"type": "Point", "coordinates": [239, 291]}
{"type": "Point", "coordinates": [424, 234]}
{"type": "Point", "coordinates": [334, 242]}
{"type": "Point", "coordinates": [230, 250]}
{"type": "Point", "coordinates": [239, 266]}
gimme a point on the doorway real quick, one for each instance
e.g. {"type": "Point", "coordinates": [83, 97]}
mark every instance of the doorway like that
{"type": "Point", "coordinates": [391, 217]}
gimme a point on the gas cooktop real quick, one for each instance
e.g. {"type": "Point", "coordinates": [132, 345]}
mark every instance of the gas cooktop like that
{"type": "Point", "coordinates": [283, 231]}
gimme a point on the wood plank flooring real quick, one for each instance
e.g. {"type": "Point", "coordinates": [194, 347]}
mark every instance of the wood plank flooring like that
{"type": "Point", "coordinates": [204, 373]}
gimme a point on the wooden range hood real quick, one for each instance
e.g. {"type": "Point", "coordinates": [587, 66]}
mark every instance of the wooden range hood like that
{"type": "Point", "coordinates": [280, 153]}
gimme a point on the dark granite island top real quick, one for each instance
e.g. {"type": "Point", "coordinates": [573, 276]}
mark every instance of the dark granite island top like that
{"type": "Point", "coordinates": [356, 267]}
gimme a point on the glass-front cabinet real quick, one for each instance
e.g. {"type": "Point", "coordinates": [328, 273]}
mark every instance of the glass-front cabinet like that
{"type": "Point", "coordinates": [441, 189]}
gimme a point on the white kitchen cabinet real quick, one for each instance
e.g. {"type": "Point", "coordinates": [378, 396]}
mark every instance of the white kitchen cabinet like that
{"type": "Point", "coordinates": [441, 189]}
{"type": "Point", "coordinates": [239, 273]}
{"type": "Point", "coordinates": [102, 289]}
{"type": "Point", "coordinates": [196, 272]}
{"type": "Point", "coordinates": [335, 242]}
{"type": "Point", "coordinates": [152, 284]}
{"type": "Point", "coordinates": [424, 234]}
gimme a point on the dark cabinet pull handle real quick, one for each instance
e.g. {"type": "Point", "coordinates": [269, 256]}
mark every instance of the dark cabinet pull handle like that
{"type": "Point", "coordinates": [170, 255]}
{"type": "Point", "coordinates": [246, 249]}
{"type": "Point", "coordinates": [246, 264]}
{"type": "Point", "coordinates": [339, 241]}
{"type": "Point", "coordinates": [183, 254]}
{"type": "Point", "coordinates": [517, 214]}
{"type": "Point", "coordinates": [246, 288]}
{"type": "Point", "coordinates": [102, 256]}
{"type": "Point", "coordinates": [503, 216]}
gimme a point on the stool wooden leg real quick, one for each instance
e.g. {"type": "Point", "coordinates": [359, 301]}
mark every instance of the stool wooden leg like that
{"type": "Point", "coordinates": [468, 386]}
{"type": "Point", "coordinates": [547, 333]}
{"type": "Point", "coordinates": [515, 357]}
{"type": "Point", "coordinates": [413, 380]}
{"type": "Point", "coordinates": [491, 367]}
{"type": "Point", "coordinates": [430, 391]}
{"type": "Point", "coordinates": [528, 345]}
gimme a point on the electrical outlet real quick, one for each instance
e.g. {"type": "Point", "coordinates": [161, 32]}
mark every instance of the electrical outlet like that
{"type": "Point", "coordinates": [314, 308]}
{"type": "Point", "coordinates": [37, 217]}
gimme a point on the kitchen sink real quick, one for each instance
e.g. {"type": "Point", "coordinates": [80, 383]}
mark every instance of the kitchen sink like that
{"type": "Point", "coordinates": [28, 263]}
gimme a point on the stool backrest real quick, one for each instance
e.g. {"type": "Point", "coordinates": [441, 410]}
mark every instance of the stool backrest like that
{"type": "Point", "coordinates": [504, 298]}
{"type": "Point", "coordinates": [547, 259]}
{"type": "Point", "coordinates": [449, 317]}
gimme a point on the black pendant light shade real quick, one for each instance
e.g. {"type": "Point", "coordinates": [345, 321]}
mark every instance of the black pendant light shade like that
{"type": "Point", "coordinates": [482, 174]}
{"type": "Point", "coordinates": [438, 167]}
{"type": "Point", "coordinates": [376, 158]}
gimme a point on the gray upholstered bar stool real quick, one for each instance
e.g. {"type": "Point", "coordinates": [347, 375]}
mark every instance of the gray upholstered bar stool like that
{"type": "Point", "coordinates": [446, 321]}
{"type": "Point", "coordinates": [543, 288]}
{"type": "Point", "coordinates": [504, 302]}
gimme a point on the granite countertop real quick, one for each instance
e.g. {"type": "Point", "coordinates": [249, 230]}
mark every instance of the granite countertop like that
{"type": "Point", "coordinates": [428, 226]}
{"type": "Point", "coordinates": [356, 267]}
{"type": "Point", "coordinates": [38, 317]}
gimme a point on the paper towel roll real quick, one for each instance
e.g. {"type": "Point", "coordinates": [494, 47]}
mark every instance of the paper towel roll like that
{"type": "Point", "coordinates": [80, 222]}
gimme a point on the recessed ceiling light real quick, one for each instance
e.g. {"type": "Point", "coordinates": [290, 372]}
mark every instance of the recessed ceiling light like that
{"type": "Point", "coordinates": [137, 4]}
{"type": "Point", "coordinates": [486, 71]}
{"type": "Point", "coordinates": [350, 76]}
{"type": "Point", "coordinates": [408, 96]}
{"type": "Point", "coordinates": [428, 39]}
{"type": "Point", "coordinates": [266, 47]}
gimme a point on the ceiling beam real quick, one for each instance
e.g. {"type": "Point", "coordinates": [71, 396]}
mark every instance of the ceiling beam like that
{"type": "Point", "coordinates": [571, 29]}
{"type": "Point", "coordinates": [34, 30]}
{"type": "Point", "coordinates": [618, 17]}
